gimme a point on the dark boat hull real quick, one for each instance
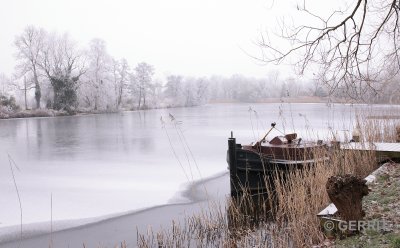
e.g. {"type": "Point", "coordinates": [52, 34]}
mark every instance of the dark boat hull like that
{"type": "Point", "coordinates": [254, 173]}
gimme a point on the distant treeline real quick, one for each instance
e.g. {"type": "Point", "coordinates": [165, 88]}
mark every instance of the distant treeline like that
{"type": "Point", "coordinates": [54, 72]}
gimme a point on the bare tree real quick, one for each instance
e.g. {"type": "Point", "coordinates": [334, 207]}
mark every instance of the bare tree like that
{"type": "Point", "coordinates": [25, 87]}
{"type": "Point", "coordinates": [354, 48]}
{"type": "Point", "coordinates": [29, 45]}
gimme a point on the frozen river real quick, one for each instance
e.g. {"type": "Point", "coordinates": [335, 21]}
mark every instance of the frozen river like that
{"type": "Point", "coordinates": [98, 165]}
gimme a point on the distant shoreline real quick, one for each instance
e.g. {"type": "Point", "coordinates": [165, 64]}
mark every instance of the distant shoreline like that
{"type": "Point", "coordinates": [44, 113]}
{"type": "Point", "coordinates": [300, 99]}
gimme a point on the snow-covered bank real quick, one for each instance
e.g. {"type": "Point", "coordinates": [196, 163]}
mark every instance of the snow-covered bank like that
{"type": "Point", "coordinates": [34, 113]}
{"type": "Point", "coordinates": [110, 230]}
{"type": "Point", "coordinates": [6, 114]}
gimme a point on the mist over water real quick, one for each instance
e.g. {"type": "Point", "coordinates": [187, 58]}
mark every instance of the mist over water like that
{"type": "Point", "coordinates": [103, 164]}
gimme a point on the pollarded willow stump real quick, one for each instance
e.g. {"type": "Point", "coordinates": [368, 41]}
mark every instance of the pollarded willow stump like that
{"type": "Point", "coordinates": [346, 192]}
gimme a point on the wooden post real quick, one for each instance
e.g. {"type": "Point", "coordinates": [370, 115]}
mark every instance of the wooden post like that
{"type": "Point", "coordinates": [356, 135]}
{"type": "Point", "coordinates": [232, 165]}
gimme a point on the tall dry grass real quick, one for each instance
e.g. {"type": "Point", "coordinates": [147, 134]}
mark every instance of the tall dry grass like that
{"type": "Point", "coordinates": [297, 200]}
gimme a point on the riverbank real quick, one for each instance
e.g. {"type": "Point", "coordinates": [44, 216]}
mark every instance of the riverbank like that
{"type": "Point", "coordinates": [34, 113]}
{"type": "Point", "coordinates": [111, 231]}
{"type": "Point", "coordinates": [380, 205]}
{"type": "Point", "coordinates": [31, 113]}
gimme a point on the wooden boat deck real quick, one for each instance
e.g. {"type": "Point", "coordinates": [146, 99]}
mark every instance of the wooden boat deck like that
{"type": "Point", "coordinates": [383, 150]}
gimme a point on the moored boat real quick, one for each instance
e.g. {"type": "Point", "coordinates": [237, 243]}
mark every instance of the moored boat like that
{"type": "Point", "coordinates": [252, 167]}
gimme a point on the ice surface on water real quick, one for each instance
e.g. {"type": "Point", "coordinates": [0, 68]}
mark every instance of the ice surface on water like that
{"type": "Point", "coordinates": [102, 164]}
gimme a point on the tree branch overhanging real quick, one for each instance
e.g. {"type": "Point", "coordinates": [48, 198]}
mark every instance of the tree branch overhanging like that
{"type": "Point", "coordinates": [353, 49]}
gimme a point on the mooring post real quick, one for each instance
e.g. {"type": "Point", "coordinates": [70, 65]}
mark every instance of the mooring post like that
{"type": "Point", "coordinates": [356, 134]}
{"type": "Point", "coordinates": [232, 164]}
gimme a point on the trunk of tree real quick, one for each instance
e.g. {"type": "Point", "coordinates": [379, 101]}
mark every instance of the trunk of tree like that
{"type": "Point", "coordinates": [140, 97]}
{"type": "Point", "coordinates": [119, 97]}
{"type": "Point", "coordinates": [346, 192]}
{"type": "Point", "coordinates": [96, 96]}
{"type": "Point", "coordinates": [88, 102]}
{"type": "Point", "coordinates": [38, 92]}
{"type": "Point", "coordinates": [95, 103]}
{"type": "Point", "coordinates": [25, 90]}
{"type": "Point", "coordinates": [38, 95]}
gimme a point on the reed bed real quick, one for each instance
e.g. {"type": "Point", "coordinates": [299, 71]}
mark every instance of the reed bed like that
{"type": "Point", "coordinates": [289, 220]}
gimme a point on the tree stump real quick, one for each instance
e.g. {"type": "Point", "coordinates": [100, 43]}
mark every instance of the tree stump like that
{"type": "Point", "coordinates": [346, 192]}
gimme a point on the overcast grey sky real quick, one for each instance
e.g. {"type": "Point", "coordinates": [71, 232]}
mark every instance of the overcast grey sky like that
{"type": "Point", "coordinates": [189, 37]}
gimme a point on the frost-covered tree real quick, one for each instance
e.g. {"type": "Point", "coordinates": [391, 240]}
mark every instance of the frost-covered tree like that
{"type": "Point", "coordinates": [188, 93]}
{"type": "Point", "coordinates": [195, 91]}
{"type": "Point", "coordinates": [174, 90]}
{"type": "Point", "coordinates": [4, 84]}
{"type": "Point", "coordinates": [155, 94]}
{"type": "Point", "coordinates": [215, 87]}
{"type": "Point", "coordinates": [120, 71]}
{"type": "Point", "coordinates": [173, 87]}
{"type": "Point", "coordinates": [63, 65]}
{"type": "Point", "coordinates": [202, 91]}
{"type": "Point", "coordinates": [98, 77]}
{"type": "Point", "coordinates": [243, 88]}
{"type": "Point", "coordinates": [29, 46]}
{"type": "Point", "coordinates": [142, 82]}
{"type": "Point", "coordinates": [7, 101]}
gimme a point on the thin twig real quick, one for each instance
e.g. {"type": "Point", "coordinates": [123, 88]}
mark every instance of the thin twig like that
{"type": "Point", "coordinates": [13, 164]}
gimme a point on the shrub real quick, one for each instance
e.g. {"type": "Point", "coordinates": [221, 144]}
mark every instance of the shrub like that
{"type": "Point", "coordinates": [396, 243]}
{"type": "Point", "coordinates": [8, 103]}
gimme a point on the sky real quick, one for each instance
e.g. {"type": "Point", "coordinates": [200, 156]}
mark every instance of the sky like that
{"type": "Point", "coordinates": [187, 37]}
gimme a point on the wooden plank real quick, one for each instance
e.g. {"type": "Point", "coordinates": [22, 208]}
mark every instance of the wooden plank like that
{"type": "Point", "coordinates": [383, 150]}
{"type": "Point", "coordinates": [384, 147]}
